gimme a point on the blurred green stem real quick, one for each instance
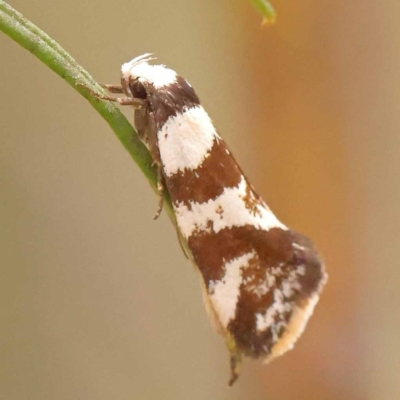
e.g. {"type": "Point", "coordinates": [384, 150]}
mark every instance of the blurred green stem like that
{"type": "Point", "coordinates": [33, 39]}
{"type": "Point", "coordinates": [265, 8]}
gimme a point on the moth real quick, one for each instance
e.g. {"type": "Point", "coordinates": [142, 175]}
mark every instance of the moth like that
{"type": "Point", "coordinates": [261, 280]}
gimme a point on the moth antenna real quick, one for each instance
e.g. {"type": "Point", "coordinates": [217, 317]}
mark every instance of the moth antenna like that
{"type": "Point", "coordinates": [141, 59]}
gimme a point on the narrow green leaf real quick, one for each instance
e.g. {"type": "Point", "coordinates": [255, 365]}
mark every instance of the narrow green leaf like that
{"type": "Point", "coordinates": [266, 10]}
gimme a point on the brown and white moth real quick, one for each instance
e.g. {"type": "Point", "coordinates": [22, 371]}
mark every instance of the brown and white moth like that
{"type": "Point", "coordinates": [261, 280]}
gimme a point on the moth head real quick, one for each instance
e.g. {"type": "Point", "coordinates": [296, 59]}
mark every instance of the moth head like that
{"type": "Point", "coordinates": [136, 89]}
{"type": "Point", "coordinates": [159, 89]}
{"type": "Point", "coordinates": [140, 77]}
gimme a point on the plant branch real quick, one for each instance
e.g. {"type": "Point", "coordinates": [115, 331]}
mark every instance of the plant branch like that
{"type": "Point", "coordinates": [33, 39]}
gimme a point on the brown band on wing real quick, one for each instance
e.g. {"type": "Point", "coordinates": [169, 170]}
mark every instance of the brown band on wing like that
{"type": "Point", "coordinates": [172, 99]}
{"type": "Point", "coordinates": [274, 249]}
{"type": "Point", "coordinates": [217, 172]}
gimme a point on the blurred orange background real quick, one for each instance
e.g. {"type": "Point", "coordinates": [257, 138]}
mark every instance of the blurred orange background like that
{"type": "Point", "coordinates": [98, 302]}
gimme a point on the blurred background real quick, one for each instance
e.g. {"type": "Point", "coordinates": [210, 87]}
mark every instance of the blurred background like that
{"type": "Point", "coordinates": [97, 300]}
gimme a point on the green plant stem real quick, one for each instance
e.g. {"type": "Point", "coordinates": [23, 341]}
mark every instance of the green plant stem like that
{"type": "Point", "coordinates": [33, 39]}
{"type": "Point", "coordinates": [265, 8]}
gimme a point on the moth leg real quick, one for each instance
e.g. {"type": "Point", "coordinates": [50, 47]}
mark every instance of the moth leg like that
{"type": "Point", "coordinates": [129, 101]}
{"type": "Point", "coordinates": [124, 101]}
{"type": "Point", "coordinates": [235, 359]}
{"type": "Point", "coordinates": [112, 88]}
{"type": "Point", "coordinates": [160, 190]}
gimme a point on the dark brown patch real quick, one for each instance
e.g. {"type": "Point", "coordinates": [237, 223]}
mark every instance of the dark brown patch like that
{"type": "Point", "coordinates": [170, 100]}
{"type": "Point", "coordinates": [218, 171]}
{"type": "Point", "coordinates": [274, 249]}
{"type": "Point", "coordinates": [137, 89]}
